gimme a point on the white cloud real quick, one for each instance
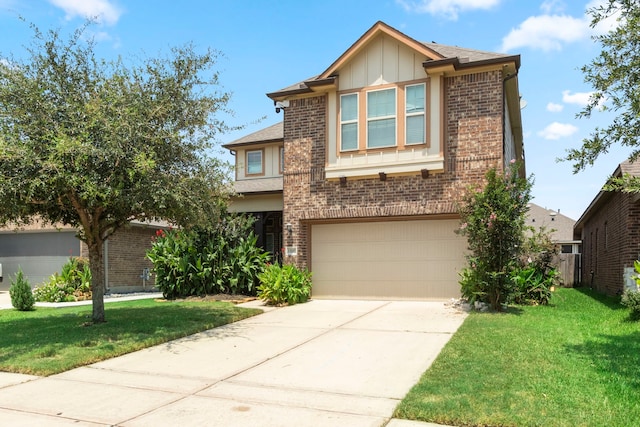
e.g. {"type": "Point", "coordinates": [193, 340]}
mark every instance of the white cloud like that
{"type": "Point", "coordinates": [578, 98]}
{"type": "Point", "coordinates": [553, 29]}
{"type": "Point", "coordinates": [447, 8]}
{"type": "Point", "coordinates": [552, 6]}
{"type": "Point", "coordinates": [554, 108]}
{"type": "Point", "coordinates": [546, 32]}
{"type": "Point", "coordinates": [607, 24]}
{"type": "Point", "coordinates": [557, 130]}
{"type": "Point", "coordinates": [103, 10]}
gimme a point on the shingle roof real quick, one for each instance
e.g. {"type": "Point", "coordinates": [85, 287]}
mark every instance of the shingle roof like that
{"type": "Point", "coordinates": [269, 134]}
{"type": "Point", "coordinates": [550, 219]}
{"type": "Point", "coordinates": [464, 56]}
{"type": "Point", "coordinates": [260, 185]}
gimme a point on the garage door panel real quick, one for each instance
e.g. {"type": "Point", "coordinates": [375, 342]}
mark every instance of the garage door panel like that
{"type": "Point", "coordinates": [396, 259]}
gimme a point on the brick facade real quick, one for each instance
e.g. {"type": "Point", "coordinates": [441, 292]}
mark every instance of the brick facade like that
{"type": "Point", "coordinates": [611, 243]}
{"type": "Point", "coordinates": [126, 251]}
{"type": "Point", "coordinates": [473, 144]}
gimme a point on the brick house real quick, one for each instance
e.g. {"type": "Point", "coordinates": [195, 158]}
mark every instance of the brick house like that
{"type": "Point", "coordinates": [377, 150]}
{"type": "Point", "coordinates": [42, 250]}
{"type": "Point", "coordinates": [610, 232]}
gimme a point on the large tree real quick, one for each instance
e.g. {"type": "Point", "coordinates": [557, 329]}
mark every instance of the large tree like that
{"type": "Point", "coordinates": [615, 77]}
{"type": "Point", "coordinates": [96, 144]}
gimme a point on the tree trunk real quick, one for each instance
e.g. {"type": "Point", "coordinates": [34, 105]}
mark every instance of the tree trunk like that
{"type": "Point", "coordinates": [97, 281]}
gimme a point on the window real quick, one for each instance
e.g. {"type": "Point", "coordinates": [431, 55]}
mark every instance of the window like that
{"type": "Point", "coordinates": [415, 114]}
{"type": "Point", "coordinates": [349, 122]}
{"type": "Point", "coordinates": [381, 118]}
{"type": "Point", "coordinates": [281, 160]}
{"type": "Point", "coordinates": [254, 162]}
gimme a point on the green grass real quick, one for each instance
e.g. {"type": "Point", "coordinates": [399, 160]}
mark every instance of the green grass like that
{"type": "Point", "coordinates": [52, 340]}
{"type": "Point", "coordinates": [573, 363]}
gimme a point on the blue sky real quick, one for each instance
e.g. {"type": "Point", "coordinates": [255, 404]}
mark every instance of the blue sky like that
{"type": "Point", "coordinates": [268, 45]}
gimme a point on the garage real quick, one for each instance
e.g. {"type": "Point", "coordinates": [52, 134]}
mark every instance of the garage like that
{"type": "Point", "coordinates": [418, 259]}
{"type": "Point", "coordinates": [40, 254]}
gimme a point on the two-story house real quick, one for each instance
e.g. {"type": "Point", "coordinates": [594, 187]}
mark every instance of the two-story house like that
{"type": "Point", "coordinates": [373, 157]}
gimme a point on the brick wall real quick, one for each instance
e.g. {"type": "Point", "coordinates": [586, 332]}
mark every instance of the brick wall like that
{"type": "Point", "coordinates": [127, 249]}
{"type": "Point", "coordinates": [473, 144]}
{"type": "Point", "coordinates": [611, 243]}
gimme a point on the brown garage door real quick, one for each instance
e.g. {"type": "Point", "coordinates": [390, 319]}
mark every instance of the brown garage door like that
{"type": "Point", "coordinates": [393, 259]}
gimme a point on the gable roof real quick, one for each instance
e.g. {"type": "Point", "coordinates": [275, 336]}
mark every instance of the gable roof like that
{"type": "Point", "coordinates": [624, 168]}
{"type": "Point", "coordinates": [273, 133]}
{"type": "Point", "coordinates": [436, 55]}
{"type": "Point", "coordinates": [559, 226]}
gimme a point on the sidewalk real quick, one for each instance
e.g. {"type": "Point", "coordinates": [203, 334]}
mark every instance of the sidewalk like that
{"type": "Point", "coordinates": [323, 363]}
{"type": "Point", "coordinates": [5, 299]}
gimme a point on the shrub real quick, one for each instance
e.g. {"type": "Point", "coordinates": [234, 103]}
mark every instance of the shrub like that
{"type": "Point", "coordinates": [631, 299]}
{"type": "Point", "coordinates": [493, 222]}
{"type": "Point", "coordinates": [223, 258]}
{"type": "Point", "coordinates": [20, 292]}
{"type": "Point", "coordinates": [532, 286]}
{"type": "Point", "coordinates": [73, 283]}
{"type": "Point", "coordinates": [284, 284]}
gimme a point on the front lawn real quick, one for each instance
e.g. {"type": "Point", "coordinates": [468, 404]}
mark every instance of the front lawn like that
{"type": "Point", "coordinates": [573, 363]}
{"type": "Point", "coordinates": [52, 340]}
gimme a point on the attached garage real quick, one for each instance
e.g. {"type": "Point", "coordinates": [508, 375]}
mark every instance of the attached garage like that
{"type": "Point", "coordinates": [39, 254]}
{"type": "Point", "coordinates": [418, 259]}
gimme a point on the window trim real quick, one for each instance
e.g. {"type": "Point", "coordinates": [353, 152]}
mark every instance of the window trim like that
{"type": "Point", "coordinates": [400, 118]}
{"type": "Point", "coordinates": [246, 159]}
{"type": "Point", "coordinates": [423, 114]}
{"type": "Point", "coordinates": [355, 121]}
{"type": "Point", "coordinates": [394, 116]}
{"type": "Point", "coordinates": [281, 159]}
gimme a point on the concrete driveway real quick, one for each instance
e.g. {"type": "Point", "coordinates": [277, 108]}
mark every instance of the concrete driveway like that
{"type": "Point", "coordinates": [323, 363]}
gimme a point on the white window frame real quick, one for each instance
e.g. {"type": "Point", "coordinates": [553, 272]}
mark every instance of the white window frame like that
{"type": "Point", "coordinates": [422, 113]}
{"type": "Point", "coordinates": [380, 118]}
{"type": "Point", "coordinates": [355, 121]}
{"type": "Point", "coordinates": [248, 153]}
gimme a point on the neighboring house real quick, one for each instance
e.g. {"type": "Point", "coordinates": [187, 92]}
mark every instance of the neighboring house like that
{"type": "Point", "coordinates": [610, 232]}
{"type": "Point", "coordinates": [560, 229]}
{"type": "Point", "coordinates": [258, 183]}
{"type": "Point", "coordinates": [42, 250]}
{"type": "Point", "coordinates": [378, 149]}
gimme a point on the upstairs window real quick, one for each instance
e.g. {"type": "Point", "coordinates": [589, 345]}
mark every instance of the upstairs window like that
{"type": "Point", "coordinates": [381, 118]}
{"type": "Point", "coordinates": [415, 114]}
{"type": "Point", "coordinates": [254, 162]}
{"type": "Point", "coordinates": [281, 160]}
{"type": "Point", "coordinates": [349, 122]}
{"type": "Point", "coordinates": [394, 116]}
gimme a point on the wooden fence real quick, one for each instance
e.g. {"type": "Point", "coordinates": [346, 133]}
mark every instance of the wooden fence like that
{"type": "Point", "coordinates": [569, 267]}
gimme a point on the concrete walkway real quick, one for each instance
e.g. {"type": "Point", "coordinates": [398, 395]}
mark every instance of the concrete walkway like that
{"type": "Point", "coordinates": [323, 363]}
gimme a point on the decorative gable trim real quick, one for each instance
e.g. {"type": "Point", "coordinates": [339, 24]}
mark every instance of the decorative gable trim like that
{"type": "Point", "coordinates": [378, 28]}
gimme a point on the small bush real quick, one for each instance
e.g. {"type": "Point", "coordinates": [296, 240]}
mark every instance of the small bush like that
{"type": "Point", "coordinates": [532, 286]}
{"type": "Point", "coordinates": [20, 292]}
{"type": "Point", "coordinates": [73, 283]}
{"type": "Point", "coordinates": [284, 284]}
{"type": "Point", "coordinates": [631, 300]}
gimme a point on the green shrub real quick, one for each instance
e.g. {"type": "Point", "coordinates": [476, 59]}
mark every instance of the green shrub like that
{"type": "Point", "coordinates": [284, 284]}
{"type": "Point", "coordinates": [493, 221]}
{"type": "Point", "coordinates": [73, 283]}
{"type": "Point", "coordinates": [223, 258]}
{"type": "Point", "coordinates": [20, 292]}
{"type": "Point", "coordinates": [532, 286]}
{"type": "Point", "coordinates": [631, 299]}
